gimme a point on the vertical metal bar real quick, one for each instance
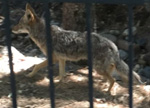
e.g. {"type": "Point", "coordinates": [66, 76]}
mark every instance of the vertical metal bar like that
{"type": "Point", "coordinates": [8, 42]}
{"type": "Point", "coordinates": [130, 24]}
{"type": "Point", "coordinates": [89, 46]}
{"type": "Point", "coordinates": [49, 53]}
{"type": "Point", "coordinates": [94, 18]}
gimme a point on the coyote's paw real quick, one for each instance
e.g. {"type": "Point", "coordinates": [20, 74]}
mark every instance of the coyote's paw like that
{"type": "Point", "coordinates": [58, 79]}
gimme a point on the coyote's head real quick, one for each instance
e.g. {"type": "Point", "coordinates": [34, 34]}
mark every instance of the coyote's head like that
{"type": "Point", "coordinates": [26, 21]}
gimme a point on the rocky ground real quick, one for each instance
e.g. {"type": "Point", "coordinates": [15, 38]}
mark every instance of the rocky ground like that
{"type": "Point", "coordinates": [72, 92]}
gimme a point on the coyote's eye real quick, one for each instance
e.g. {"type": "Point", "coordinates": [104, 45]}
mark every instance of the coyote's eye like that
{"type": "Point", "coordinates": [29, 16]}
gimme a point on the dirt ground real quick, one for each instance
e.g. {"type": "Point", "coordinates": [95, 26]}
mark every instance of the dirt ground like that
{"type": "Point", "coordinates": [72, 92]}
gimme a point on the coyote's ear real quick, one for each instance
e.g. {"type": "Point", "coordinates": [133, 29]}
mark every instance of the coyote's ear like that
{"type": "Point", "coordinates": [30, 12]}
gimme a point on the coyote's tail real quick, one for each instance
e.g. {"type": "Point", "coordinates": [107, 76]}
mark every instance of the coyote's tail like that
{"type": "Point", "coordinates": [123, 70]}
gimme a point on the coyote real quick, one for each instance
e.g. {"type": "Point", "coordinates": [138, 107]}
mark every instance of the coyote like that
{"type": "Point", "coordinates": [72, 46]}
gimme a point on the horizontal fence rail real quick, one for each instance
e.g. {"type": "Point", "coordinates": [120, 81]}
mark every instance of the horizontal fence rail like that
{"type": "Point", "coordinates": [135, 2]}
{"type": "Point", "coordinates": [130, 4]}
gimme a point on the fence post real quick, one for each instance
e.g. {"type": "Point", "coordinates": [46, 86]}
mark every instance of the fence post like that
{"type": "Point", "coordinates": [89, 47]}
{"type": "Point", "coordinates": [130, 37]}
{"type": "Point", "coordinates": [8, 42]}
{"type": "Point", "coordinates": [49, 53]}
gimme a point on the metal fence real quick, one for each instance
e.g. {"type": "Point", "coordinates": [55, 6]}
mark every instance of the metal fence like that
{"type": "Point", "coordinates": [129, 3]}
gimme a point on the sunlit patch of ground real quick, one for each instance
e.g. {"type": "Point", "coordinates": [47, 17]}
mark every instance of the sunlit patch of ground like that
{"type": "Point", "coordinates": [20, 62]}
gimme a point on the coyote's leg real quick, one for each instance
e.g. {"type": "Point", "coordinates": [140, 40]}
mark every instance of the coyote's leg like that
{"type": "Point", "coordinates": [62, 72]}
{"type": "Point", "coordinates": [37, 68]}
{"type": "Point", "coordinates": [62, 64]}
{"type": "Point", "coordinates": [111, 81]}
{"type": "Point", "coordinates": [109, 77]}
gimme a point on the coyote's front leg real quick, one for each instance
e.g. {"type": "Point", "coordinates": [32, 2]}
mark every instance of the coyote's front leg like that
{"type": "Point", "coordinates": [37, 68]}
{"type": "Point", "coordinates": [62, 72]}
{"type": "Point", "coordinates": [62, 64]}
{"type": "Point", "coordinates": [41, 65]}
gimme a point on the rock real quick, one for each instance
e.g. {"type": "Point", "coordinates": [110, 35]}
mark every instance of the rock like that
{"type": "Point", "coordinates": [22, 85]}
{"type": "Point", "coordinates": [126, 31]}
{"type": "Point", "coordinates": [114, 32]}
{"type": "Point", "coordinates": [123, 44]}
{"type": "Point", "coordinates": [136, 67]}
{"type": "Point", "coordinates": [9, 95]}
{"type": "Point", "coordinates": [1, 20]}
{"type": "Point", "coordinates": [144, 59]}
{"type": "Point", "coordinates": [2, 36]}
{"type": "Point", "coordinates": [2, 32]}
{"type": "Point", "coordinates": [14, 37]}
{"type": "Point", "coordinates": [123, 54]}
{"type": "Point", "coordinates": [145, 72]}
{"type": "Point", "coordinates": [2, 40]}
{"type": "Point", "coordinates": [147, 6]}
{"type": "Point", "coordinates": [148, 46]}
{"type": "Point", "coordinates": [110, 36]}
{"type": "Point", "coordinates": [142, 42]}
{"type": "Point", "coordinates": [141, 61]}
{"type": "Point", "coordinates": [33, 52]}
{"type": "Point", "coordinates": [20, 91]}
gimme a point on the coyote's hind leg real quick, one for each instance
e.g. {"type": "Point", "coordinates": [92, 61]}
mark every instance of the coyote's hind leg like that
{"type": "Point", "coordinates": [111, 68]}
{"type": "Point", "coordinates": [111, 81]}
{"type": "Point", "coordinates": [107, 75]}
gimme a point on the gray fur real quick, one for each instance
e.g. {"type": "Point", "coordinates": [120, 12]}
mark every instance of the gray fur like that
{"type": "Point", "coordinates": [72, 46]}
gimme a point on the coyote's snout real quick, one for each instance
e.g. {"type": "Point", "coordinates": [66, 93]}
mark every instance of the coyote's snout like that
{"type": "Point", "coordinates": [71, 46]}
